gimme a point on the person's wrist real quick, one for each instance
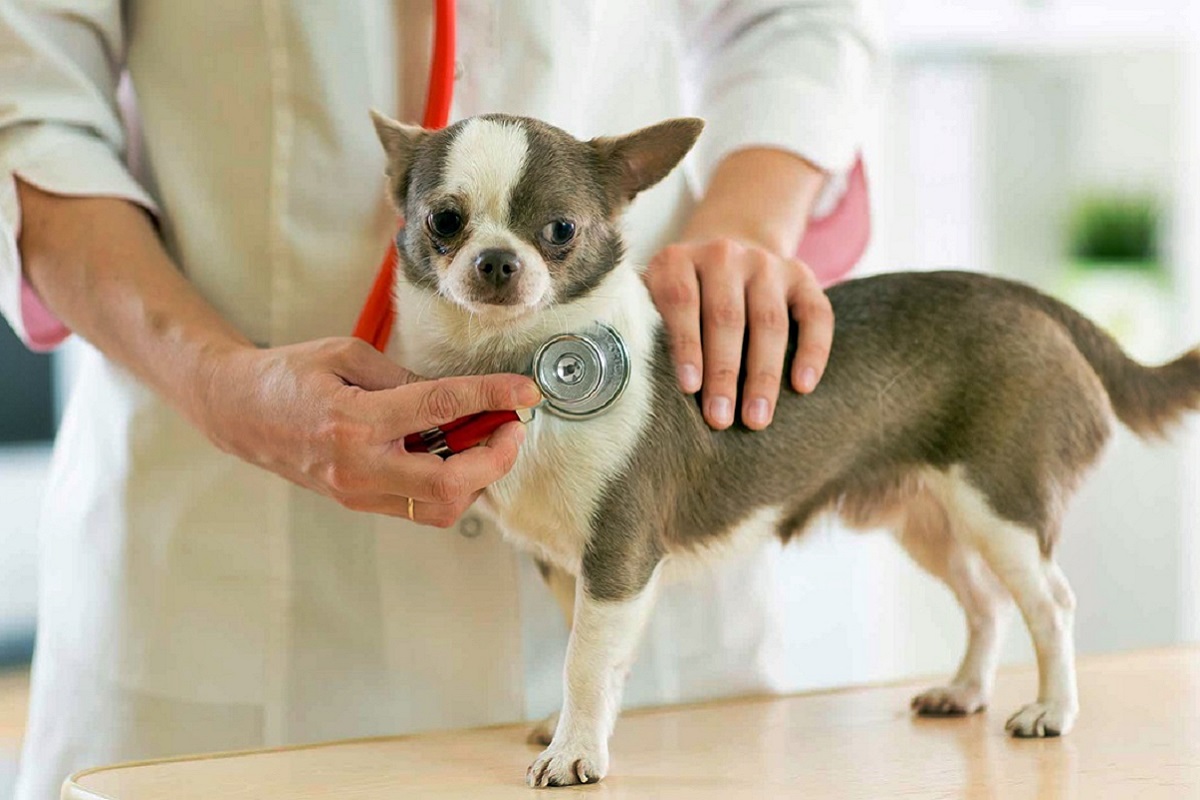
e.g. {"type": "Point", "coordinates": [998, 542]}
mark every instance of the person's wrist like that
{"type": "Point", "coordinates": [761, 196]}
{"type": "Point", "coordinates": [221, 366]}
{"type": "Point", "coordinates": [776, 241]}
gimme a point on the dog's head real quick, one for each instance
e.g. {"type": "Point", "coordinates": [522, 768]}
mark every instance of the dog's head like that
{"type": "Point", "coordinates": [508, 215]}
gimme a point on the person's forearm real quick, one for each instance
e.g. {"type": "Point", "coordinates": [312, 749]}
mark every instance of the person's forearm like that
{"type": "Point", "coordinates": [326, 414]}
{"type": "Point", "coordinates": [762, 196]}
{"type": "Point", "coordinates": [98, 264]}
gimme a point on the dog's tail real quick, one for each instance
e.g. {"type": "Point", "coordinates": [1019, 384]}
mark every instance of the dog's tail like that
{"type": "Point", "coordinates": [1149, 400]}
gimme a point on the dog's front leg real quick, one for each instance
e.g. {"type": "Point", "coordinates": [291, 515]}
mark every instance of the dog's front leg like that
{"type": "Point", "coordinates": [603, 639]}
{"type": "Point", "coordinates": [562, 586]}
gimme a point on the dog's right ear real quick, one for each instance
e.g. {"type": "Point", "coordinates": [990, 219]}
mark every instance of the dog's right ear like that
{"type": "Point", "coordinates": [636, 161]}
{"type": "Point", "coordinates": [399, 141]}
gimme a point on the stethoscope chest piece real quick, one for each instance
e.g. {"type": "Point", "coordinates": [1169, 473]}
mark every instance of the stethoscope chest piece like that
{"type": "Point", "coordinates": [582, 374]}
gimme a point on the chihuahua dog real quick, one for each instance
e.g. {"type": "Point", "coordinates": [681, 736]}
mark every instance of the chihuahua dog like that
{"type": "Point", "coordinates": [958, 410]}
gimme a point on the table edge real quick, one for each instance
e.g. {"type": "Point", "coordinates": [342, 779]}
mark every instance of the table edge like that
{"type": "Point", "coordinates": [72, 790]}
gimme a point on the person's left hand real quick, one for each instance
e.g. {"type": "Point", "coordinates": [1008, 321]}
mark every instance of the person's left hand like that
{"type": "Point", "coordinates": [712, 292]}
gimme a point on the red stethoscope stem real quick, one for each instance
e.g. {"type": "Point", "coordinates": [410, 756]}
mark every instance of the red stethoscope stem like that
{"type": "Point", "coordinates": [375, 321]}
{"type": "Point", "coordinates": [378, 315]}
{"type": "Point", "coordinates": [441, 73]}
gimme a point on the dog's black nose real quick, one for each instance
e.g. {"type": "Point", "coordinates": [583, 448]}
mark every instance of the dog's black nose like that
{"type": "Point", "coordinates": [497, 266]}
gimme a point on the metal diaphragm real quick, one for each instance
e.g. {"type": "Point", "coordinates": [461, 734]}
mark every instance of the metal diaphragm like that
{"type": "Point", "coordinates": [582, 374]}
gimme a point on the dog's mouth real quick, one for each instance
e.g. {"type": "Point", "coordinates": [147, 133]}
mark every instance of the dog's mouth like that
{"type": "Point", "coordinates": [497, 312]}
{"type": "Point", "coordinates": [496, 285]}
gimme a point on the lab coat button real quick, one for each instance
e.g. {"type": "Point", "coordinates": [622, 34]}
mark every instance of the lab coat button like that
{"type": "Point", "coordinates": [459, 70]}
{"type": "Point", "coordinates": [470, 526]}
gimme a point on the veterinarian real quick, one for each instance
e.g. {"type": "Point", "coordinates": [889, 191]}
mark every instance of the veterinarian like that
{"type": "Point", "coordinates": [208, 581]}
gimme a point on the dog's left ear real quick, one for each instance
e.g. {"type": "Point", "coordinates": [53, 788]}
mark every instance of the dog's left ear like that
{"type": "Point", "coordinates": [399, 141]}
{"type": "Point", "coordinates": [638, 160]}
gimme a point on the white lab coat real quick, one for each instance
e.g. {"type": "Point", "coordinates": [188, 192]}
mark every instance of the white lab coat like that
{"type": "Point", "coordinates": [192, 602]}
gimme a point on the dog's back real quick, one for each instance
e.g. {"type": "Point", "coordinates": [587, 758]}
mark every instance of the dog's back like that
{"type": "Point", "coordinates": [927, 371]}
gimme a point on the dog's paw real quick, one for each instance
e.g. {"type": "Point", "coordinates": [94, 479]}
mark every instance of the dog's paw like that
{"type": "Point", "coordinates": [1038, 720]}
{"type": "Point", "coordinates": [954, 700]}
{"type": "Point", "coordinates": [543, 732]}
{"type": "Point", "coordinates": [567, 766]}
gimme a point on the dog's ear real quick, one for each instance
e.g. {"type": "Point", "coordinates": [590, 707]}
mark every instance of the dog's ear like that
{"type": "Point", "coordinates": [399, 141]}
{"type": "Point", "coordinates": [632, 163]}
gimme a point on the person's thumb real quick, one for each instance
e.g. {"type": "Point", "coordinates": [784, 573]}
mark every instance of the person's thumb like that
{"type": "Point", "coordinates": [421, 406]}
{"type": "Point", "coordinates": [365, 367]}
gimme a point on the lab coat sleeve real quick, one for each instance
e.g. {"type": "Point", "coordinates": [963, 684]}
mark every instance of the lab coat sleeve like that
{"type": "Point", "coordinates": [60, 129]}
{"type": "Point", "coordinates": [785, 75]}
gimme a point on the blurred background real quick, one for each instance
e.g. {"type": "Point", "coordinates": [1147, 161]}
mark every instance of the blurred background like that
{"type": "Point", "coordinates": [1054, 141]}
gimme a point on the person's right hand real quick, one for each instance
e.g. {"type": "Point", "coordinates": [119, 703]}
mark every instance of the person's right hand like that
{"type": "Point", "coordinates": [332, 414]}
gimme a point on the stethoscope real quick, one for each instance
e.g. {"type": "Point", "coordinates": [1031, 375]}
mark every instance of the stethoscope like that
{"type": "Point", "coordinates": [580, 374]}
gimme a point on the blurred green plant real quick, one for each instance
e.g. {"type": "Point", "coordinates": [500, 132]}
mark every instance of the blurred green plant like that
{"type": "Point", "coordinates": [1115, 232]}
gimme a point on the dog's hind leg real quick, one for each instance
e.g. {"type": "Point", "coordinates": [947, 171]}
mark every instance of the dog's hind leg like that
{"type": "Point", "coordinates": [1046, 601]}
{"type": "Point", "coordinates": [925, 533]}
{"type": "Point", "coordinates": [562, 585]}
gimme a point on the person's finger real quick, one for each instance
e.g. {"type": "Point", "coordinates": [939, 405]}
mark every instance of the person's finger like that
{"type": "Point", "coordinates": [485, 463]}
{"type": "Point", "coordinates": [370, 470]}
{"type": "Point", "coordinates": [460, 475]}
{"type": "Point", "coordinates": [769, 324]}
{"type": "Point", "coordinates": [359, 364]}
{"type": "Point", "coordinates": [490, 461]}
{"type": "Point", "coordinates": [723, 326]}
{"type": "Point", "coordinates": [675, 290]}
{"type": "Point", "coordinates": [420, 406]}
{"type": "Point", "coordinates": [814, 315]}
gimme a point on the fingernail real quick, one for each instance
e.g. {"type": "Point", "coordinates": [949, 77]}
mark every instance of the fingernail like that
{"type": "Point", "coordinates": [721, 410]}
{"type": "Point", "coordinates": [519, 435]}
{"type": "Point", "coordinates": [528, 396]}
{"type": "Point", "coordinates": [689, 378]}
{"type": "Point", "coordinates": [808, 380]}
{"type": "Point", "coordinates": [756, 412]}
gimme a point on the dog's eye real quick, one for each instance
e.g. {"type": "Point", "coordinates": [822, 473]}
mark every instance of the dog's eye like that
{"type": "Point", "coordinates": [445, 223]}
{"type": "Point", "coordinates": [560, 231]}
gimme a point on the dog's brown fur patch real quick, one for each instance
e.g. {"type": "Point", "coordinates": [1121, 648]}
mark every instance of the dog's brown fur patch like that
{"type": "Point", "coordinates": [928, 371]}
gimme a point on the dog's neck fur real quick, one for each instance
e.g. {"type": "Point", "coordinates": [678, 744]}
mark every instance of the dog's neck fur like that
{"type": "Point", "coordinates": [547, 502]}
{"type": "Point", "coordinates": [436, 338]}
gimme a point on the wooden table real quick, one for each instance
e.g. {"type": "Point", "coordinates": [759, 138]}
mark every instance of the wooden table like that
{"type": "Point", "coordinates": [1138, 737]}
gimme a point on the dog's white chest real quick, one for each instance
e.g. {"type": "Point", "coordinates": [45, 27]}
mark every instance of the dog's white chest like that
{"type": "Point", "coordinates": [549, 499]}
{"type": "Point", "coordinates": [561, 479]}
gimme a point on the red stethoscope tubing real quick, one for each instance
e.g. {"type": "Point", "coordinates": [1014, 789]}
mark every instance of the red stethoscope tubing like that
{"type": "Point", "coordinates": [441, 73]}
{"type": "Point", "coordinates": [377, 316]}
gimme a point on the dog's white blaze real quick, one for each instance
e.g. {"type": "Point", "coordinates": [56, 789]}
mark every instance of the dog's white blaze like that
{"type": "Point", "coordinates": [484, 163]}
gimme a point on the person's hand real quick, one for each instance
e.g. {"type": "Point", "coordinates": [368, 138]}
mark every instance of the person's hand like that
{"type": "Point", "coordinates": [331, 415]}
{"type": "Point", "coordinates": [710, 292]}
